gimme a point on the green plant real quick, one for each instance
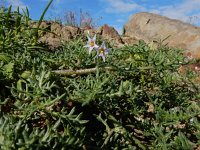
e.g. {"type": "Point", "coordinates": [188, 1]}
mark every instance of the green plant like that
{"type": "Point", "coordinates": [70, 99]}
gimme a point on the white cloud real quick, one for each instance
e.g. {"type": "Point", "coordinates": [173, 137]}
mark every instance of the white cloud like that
{"type": "Point", "coordinates": [180, 11]}
{"type": "Point", "coordinates": [16, 3]}
{"type": "Point", "coordinates": [186, 10]}
{"type": "Point", "coordinates": [121, 6]}
{"type": "Point", "coordinates": [120, 20]}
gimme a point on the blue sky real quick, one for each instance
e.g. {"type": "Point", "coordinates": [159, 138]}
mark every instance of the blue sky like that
{"type": "Point", "coordinates": [114, 12]}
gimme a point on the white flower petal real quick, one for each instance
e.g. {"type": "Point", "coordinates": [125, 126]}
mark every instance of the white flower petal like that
{"type": "Point", "coordinates": [103, 57]}
{"type": "Point", "coordinates": [89, 39]}
{"type": "Point", "coordinates": [90, 49]}
{"type": "Point", "coordinates": [94, 38]}
{"type": "Point", "coordinates": [96, 46]}
{"type": "Point", "coordinates": [101, 54]}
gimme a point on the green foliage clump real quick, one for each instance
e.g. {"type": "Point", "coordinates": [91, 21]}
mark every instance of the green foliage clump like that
{"type": "Point", "coordinates": [69, 99]}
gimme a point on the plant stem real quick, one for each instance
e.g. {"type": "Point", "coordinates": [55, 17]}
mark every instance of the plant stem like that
{"type": "Point", "coordinates": [92, 70]}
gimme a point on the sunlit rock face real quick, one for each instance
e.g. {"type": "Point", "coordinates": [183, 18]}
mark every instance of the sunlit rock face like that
{"type": "Point", "coordinates": [151, 27]}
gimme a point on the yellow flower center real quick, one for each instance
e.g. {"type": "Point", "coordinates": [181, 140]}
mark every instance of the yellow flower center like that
{"type": "Point", "coordinates": [101, 51]}
{"type": "Point", "coordinates": [92, 43]}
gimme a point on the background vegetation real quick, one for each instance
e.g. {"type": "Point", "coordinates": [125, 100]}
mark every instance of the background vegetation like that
{"type": "Point", "coordinates": [143, 102]}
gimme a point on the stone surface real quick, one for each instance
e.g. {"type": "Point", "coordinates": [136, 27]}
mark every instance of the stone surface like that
{"type": "Point", "coordinates": [69, 32]}
{"type": "Point", "coordinates": [55, 33]}
{"type": "Point", "coordinates": [56, 28]}
{"type": "Point", "coordinates": [109, 33]}
{"type": "Point", "coordinates": [149, 27]}
{"type": "Point", "coordinates": [59, 32]}
{"type": "Point", "coordinates": [129, 40]}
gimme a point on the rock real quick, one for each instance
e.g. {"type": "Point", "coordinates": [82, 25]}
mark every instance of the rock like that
{"type": "Point", "coordinates": [44, 24]}
{"type": "Point", "coordinates": [55, 33]}
{"type": "Point", "coordinates": [59, 32]}
{"type": "Point", "coordinates": [69, 32]}
{"type": "Point", "coordinates": [129, 40]}
{"type": "Point", "coordinates": [149, 27]}
{"type": "Point", "coordinates": [91, 31]}
{"type": "Point", "coordinates": [52, 42]}
{"type": "Point", "coordinates": [56, 28]}
{"type": "Point", "coordinates": [110, 34]}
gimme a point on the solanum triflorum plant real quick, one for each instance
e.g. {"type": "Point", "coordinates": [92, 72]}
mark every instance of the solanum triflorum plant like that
{"type": "Point", "coordinates": [91, 43]}
{"type": "Point", "coordinates": [102, 51]}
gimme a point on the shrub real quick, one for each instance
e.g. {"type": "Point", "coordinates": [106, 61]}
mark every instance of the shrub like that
{"type": "Point", "coordinates": [81, 19]}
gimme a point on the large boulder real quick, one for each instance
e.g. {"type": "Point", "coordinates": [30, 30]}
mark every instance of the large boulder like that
{"type": "Point", "coordinates": [151, 27]}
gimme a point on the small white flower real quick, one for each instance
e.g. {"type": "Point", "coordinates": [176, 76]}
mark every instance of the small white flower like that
{"type": "Point", "coordinates": [91, 43]}
{"type": "Point", "coordinates": [102, 51]}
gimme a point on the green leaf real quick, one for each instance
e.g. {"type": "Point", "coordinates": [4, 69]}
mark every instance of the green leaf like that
{"type": "Point", "coordinates": [25, 74]}
{"type": "Point", "coordinates": [8, 70]}
{"type": "Point", "coordinates": [41, 18]}
{"type": "Point", "coordinates": [4, 58]}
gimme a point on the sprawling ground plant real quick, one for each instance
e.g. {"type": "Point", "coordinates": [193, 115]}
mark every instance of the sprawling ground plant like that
{"type": "Point", "coordinates": [133, 98]}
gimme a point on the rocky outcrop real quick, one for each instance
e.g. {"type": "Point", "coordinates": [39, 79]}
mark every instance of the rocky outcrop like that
{"type": "Point", "coordinates": [55, 33]}
{"type": "Point", "coordinates": [142, 26]}
{"type": "Point", "coordinates": [151, 27]}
